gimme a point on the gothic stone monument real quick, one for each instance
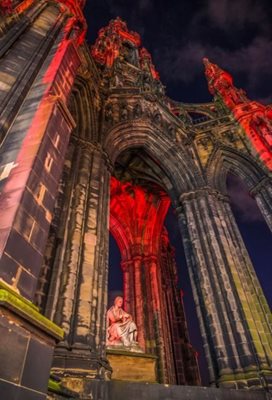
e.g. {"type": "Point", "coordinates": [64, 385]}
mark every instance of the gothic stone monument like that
{"type": "Point", "coordinates": [89, 142]}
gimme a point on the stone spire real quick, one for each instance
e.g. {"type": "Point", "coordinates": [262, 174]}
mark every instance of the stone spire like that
{"type": "Point", "coordinates": [254, 118]}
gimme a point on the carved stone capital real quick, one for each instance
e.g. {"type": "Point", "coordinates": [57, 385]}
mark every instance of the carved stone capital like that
{"type": "Point", "coordinates": [201, 192]}
{"type": "Point", "coordinates": [93, 147]}
{"type": "Point", "coordinates": [84, 144]}
{"type": "Point", "coordinates": [264, 182]}
{"type": "Point", "coordinates": [150, 259]}
{"type": "Point", "coordinates": [126, 265]}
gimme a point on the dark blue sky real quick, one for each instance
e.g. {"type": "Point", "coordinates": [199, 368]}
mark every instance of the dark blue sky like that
{"type": "Point", "coordinates": [237, 35]}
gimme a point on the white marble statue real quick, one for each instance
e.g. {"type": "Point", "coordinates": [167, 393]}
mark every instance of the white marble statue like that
{"type": "Point", "coordinates": [121, 329]}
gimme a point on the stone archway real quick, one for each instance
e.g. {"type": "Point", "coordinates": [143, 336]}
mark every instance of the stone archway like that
{"type": "Point", "coordinates": [138, 208]}
{"type": "Point", "coordinates": [118, 102]}
{"type": "Point", "coordinates": [258, 181]}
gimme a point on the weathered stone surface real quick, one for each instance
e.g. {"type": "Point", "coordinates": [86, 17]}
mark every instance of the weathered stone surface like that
{"type": "Point", "coordinates": [27, 337]}
{"type": "Point", "coordinates": [125, 390]}
{"type": "Point", "coordinates": [190, 147]}
{"type": "Point", "coordinates": [134, 367]}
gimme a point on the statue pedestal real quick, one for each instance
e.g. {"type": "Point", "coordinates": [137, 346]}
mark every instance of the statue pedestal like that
{"type": "Point", "coordinates": [132, 366]}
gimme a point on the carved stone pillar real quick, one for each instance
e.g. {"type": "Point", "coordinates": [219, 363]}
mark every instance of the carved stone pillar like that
{"type": "Point", "coordinates": [139, 308]}
{"type": "Point", "coordinates": [158, 314]}
{"type": "Point", "coordinates": [234, 317]}
{"type": "Point", "coordinates": [262, 193]}
{"type": "Point", "coordinates": [78, 292]}
{"type": "Point", "coordinates": [35, 126]}
{"type": "Point", "coordinates": [184, 360]}
{"type": "Point", "coordinates": [128, 287]}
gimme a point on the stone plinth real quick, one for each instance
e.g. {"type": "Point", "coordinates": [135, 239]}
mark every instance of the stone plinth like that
{"type": "Point", "coordinates": [27, 344]}
{"type": "Point", "coordinates": [132, 366]}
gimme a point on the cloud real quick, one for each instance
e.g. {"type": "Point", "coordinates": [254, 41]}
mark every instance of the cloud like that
{"type": "Point", "coordinates": [226, 14]}
{"type": "Point", "coordinates": [145, 4]}
{"type": "Point", "coordinates": [242, 202]}
{"type": "Point", "coordinates": [181, 63]}
{"type": "Point", "coordinates": [184, 64]}
{"type": "Point", "coordinates": [234, 34]}
{"type": "Point", "coordinates": [139, 8]}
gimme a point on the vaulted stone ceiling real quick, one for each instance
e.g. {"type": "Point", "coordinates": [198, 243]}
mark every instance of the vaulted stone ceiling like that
{"type": "Point", "coordinates": [137, 167]}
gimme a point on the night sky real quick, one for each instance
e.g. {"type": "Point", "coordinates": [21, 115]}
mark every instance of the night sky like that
{"type": "Point", "coordinates": [235, 34]}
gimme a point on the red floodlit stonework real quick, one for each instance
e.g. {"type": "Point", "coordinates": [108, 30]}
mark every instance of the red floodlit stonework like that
{"type": "Point", "coordinates": [6, 7]}
{"type": "Point", "coordinates": [254, 118]}
{"type": "Point", "coordinates": [137, 217]}
{"type": "Point", "coordinates": [75, 7]}
{"type": "Point", "coordinates": [66, 118]}
{"type": "Point", "coordinates": [141, 214]}
{"type": "Point", "coordinates": [146, 62]}
{"type": "Point", "coordinates": [109, 45]}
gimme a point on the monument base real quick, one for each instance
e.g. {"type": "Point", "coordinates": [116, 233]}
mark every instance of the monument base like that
{"type": "Point", "coordinates": [117, 390]}
{"type": "Point", "coordinates": [132, 366]}
{"type": "Point", "coordinates": [27, 344]}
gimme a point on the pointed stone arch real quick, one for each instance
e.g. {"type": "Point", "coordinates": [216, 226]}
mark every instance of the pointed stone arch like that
{"type": "Point", "coordinates": [180, 173]}
{"type": "Point", "coordinates": [83, 105]}
{"type": "Point", "coordinates": [121, 236]}
{"type": "Point", "coordinates": [225, 160]}
{"type": "Point", "coordinates": [257, 179]}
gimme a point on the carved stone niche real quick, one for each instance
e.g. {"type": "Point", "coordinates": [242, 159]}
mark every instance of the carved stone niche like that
{"type": "Point", "coordinates": [123, 111]}
{"type": "Point", "coordinates": [108, 115]}
{"type": "Point", "coordinates": [129, 54]}
{"type": "Point", "coordinates": [171, 131]}
{"type": "Point", "coordinates": [204, 147]}
{"type": "Point", "coordinates": [157, 118]}
{"type": "Point", "coordinates": [137, 111]}
{"type": "Point", "coordinates": [229, 135]}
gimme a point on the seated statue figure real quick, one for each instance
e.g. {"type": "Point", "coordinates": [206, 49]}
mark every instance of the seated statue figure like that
{"type": "Point", "coordinates": [121, 328]}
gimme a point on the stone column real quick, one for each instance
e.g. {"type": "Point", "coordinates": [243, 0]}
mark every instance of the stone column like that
{"type": "Point", "coordinates": [35, 126]}
{"type": "Point", "coordinates": [158, 314]}
{"type": "Point", "coordinates": [78, 292]}
{"type": "Point", "coordinates": [128, 287]}
{"type": "Point", "coordinates": [262, 193]}
{"type": "Point", "coordinates": [233, 314]}
{"type": "Point", "coordinates": [139, 308]}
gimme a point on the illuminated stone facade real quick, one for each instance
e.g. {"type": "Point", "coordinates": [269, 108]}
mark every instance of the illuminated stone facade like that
{"type": "Point", "coordinates": [69, 116]}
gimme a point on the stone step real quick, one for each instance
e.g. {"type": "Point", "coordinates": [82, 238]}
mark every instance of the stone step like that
{"type": "Point", "coordinates": [118, 390]}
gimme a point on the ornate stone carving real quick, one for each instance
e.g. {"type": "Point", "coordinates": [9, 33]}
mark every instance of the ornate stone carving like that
{"type": "Point", "coordinates": [254, 118]}
{"type": "Point", "coordinates": [123, 111]}
{"type": "Point", "coordinates": [109, 114]}
{"type": "Point", "coordinates": [137, 111]}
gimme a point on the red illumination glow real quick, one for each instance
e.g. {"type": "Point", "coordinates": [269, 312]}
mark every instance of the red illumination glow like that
{"type": "Point", "coordinates": [23, 6]}
{"type": "Point", "coordinates": [79, 21]}
{"type": "Point", "coordinates": [253, 117]}
{"type": "Point", "coordinates": [146, 61]}
{"type": "Point", "coordinates": [110, 40]}
{"type": "Point", "coordinates": [15, 183]}
{"type": "Point", "coordinates": [136, 222]}
{"type": "Point", "coordinates": [139, 215]}
{"type": "Point", "coordinates": [6, 7]}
